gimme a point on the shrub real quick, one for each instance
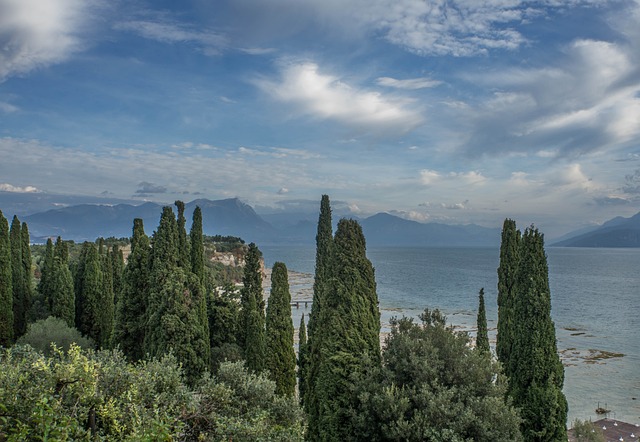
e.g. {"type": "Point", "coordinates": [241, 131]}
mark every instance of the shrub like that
{"type": "Point", "coordinates": [41, 334]}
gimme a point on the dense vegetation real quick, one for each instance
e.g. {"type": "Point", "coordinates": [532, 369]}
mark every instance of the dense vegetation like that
{"type": "Point", "coordinates": [157, 343]}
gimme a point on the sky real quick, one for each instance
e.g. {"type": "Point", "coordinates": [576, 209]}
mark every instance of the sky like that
{"type": "Point", "coordinates": [455, 111]}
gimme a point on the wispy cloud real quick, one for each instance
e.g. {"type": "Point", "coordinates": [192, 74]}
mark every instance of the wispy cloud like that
{"type": "Point", "coordinates": [40, 33]}
{"type": "Point", "coordinates": [166, 30]}
{"type": "Point", "coordinates": [409, 83]}
{"type": "Point", "coordinates": [326, 96]}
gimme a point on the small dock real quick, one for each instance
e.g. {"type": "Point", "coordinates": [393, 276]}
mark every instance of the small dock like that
{"type": "Point", "coordinates": [297, 303]}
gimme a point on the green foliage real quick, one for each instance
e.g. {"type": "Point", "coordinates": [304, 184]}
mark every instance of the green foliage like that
{"type": "Point", "coordinates": [223, 310]}
{"type": "Point", "coordinates": [482, 338]}
{"type": "Point", "coordinates": [62, 296]}
{"type": "Point", "coordinates": [42, 334]}
{"type": "Point", "coordinates": [184, 253]}
{"type": "Point", "coordinates": [46, 272]}
{"type": "Point", "coordinates": [585, 431]}
{"type": "Point", "coordinates": [351, 319]}
{"type": "Point", "coordinates": [130, 328]}
{"type": "Point", "coordinates": [176, 321]}
{"type": "Point", "coordinates": [252, 332]}
{"type": "Point", "coordinates": [431, 387]}
{"type": "Point", "coordinates": [117, 267]}
{"type": "Point", "coordinates": [6, 286]}
{"type": "Point", "coordinates": [21, 298]}
{"type": "Point", "coordinates": [27, 270]}
{"type": "Point", "coordinates": [280, 357]}
{"type": "Point", "coordinates": [536, 372]}
{"type": "Point", "coordinates": [108, 297]}
{"type": "Point", "coordinates": [507, 291]}
{"type": "Point", "coordinates": [241, 406]}
{"type": "Point", "coordinates": [321, 289]}
{"type": "Point", "coordinates": [303, 358]}
{"type": "Point", "coordinates": [197, 245]}
{"type": "Point", "coordinates": [73, 394]}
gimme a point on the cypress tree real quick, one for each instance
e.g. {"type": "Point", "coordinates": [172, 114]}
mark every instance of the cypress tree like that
{"type": "Point", "coordinates": [107, 314]}
{"type": "Point", "coordinates": [321, 289]}
{"type": "Point", "coordinates": [482, 338]}
{"type": "Point", "coordinates": [537, 374]}
{"type": "Point", "coordinates": [27, 271]}
{"type": "Point", "coordinates": [20, 301]}
{"type": "Point", "coordinates": [352, 343]}
{"type": "Point", "coordinates": [78, 283]}
{"type": "Point", "coordinates": [507, 291]}
{"type": "Point", "coordinates": [60, 282]}
{"type": "Point", "coordinates": [303, 358]}
{"type": "Point", "coordinates": [91, 321]}
{"type": "Point", "coordinates": [129, 329]}
{"type": "Point", "coordinates": [281, 358]}
{"type": "Point", "coordinates": [252, 332]}
{"type": "Point", "coordinates": [117, 266]}
{"type": "Point", "coordinates": [184, 255]}
{"type": "Point", "coordinates": [197, 245]}
{"type": "Point", "coordinates": [175, 300]}
{"type": "Point", "coordinates": [44, 287]}
{"type": "Point", "coordinates": [6, 286]}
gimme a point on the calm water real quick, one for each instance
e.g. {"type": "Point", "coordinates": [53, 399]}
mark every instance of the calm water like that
{"type": "Point", "coordinates": [595, 296]}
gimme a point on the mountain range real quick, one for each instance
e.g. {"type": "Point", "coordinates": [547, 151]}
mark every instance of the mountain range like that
{"type": "Point", "coordinates": [232, 217]}
{"type": "Point", "coordinates": [81, 222]}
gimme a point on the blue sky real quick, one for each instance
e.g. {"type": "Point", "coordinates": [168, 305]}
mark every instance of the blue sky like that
{"type": "Point", "coordinates": [450, 111]}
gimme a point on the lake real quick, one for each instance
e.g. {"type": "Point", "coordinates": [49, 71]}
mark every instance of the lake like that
{"type": "Point", "coordinates": [595, 297]}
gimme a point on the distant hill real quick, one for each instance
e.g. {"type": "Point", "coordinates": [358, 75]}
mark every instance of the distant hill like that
{"type": "Point", "coordinates": [617, 232]}
{"type": "Point", "coordinates": [232, 217]}
{"type": "Point", "coordinates": [89, 221]}
{"type": "Point", "coordinates": [384, 229]}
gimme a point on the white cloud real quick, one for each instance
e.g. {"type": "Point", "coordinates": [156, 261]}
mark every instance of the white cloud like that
{"type": "Point", "coordinates": [328, 97]}
{"type": "Point", "coordinates": [6, 187]}
{"type": "Point", "coordinates": [410, 83]}
{"type": "Point", "coordinates": [38, 33]}
{"type": "Point", "coordinates": [283, 190]}
{"type": "Point", "coordinates": [168, 31]}
{"type": "Point", "coordinates": [8, 108]}
{"type": "Point", "coordinates": [430, 177]}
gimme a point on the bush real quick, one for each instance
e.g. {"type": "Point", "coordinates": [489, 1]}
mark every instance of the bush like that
{"type": "Point", "coordinates": [585, 431]}
{"type": "Point", "coordinates": [41, 334]}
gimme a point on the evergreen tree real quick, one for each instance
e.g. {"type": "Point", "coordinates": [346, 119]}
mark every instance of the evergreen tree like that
{"type": "Point", "coordinates": [321, 289]}
{"type": "Point", "coordinates": [303, 358]}
{"type": "Point", "coordinates": [46, 270]}
{"type": "Point", "coordinates": [78, 287]}
{"type": "Point", "coordinates": [129, 329]}
{"type": "Point", "coordinates": [352, 344]}
{"type": "Point", "coordinates": [107, 294]}
{"type": "Point", "coordinates": [537, 374]}
{"type": "Point", "coordinates": [117, 266]}
{"type": "Point", "coordinates": [6, 286]}
{"type": "Point", "coordinates": [27, 271]}
{"type": "Point", "coordinates": [184, 254]}
{"type": "Point", "coordinates": [482, 338]}
{"type": "Point", "coordinates": [197, 245]}
{"type": "Point", "coordinates": [175, 300]}
{"type": "Point", "coordinates": [252, 332]}
{"type": "Point", "coordinates": [20, 301]}
{"type": "Point", "coordinates": [281, 358]}
{"type": "Point", "coordinates": [507, 274]}
{"type": "Point", "coordinates": [61, 292]}
{"type": "Point", "coordinates": [92, 305]}
{"type": "Point", "coordinates": [224, 315]}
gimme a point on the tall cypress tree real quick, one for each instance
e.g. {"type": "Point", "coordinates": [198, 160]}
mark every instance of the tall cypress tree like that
{"type": "Point", "coordinates": [482, 338]}
{"type": "Point", "coordinates": [44, 287]}
{"type": "Point", "coordinates": [20, 301]}
{"type": "Point", "coordinates": [252, 331]}
{"type": "Point", "coordinates": [61, 292]}
{"type": "Point", "coordinates": [352, 318]}
{"type": "Point", "coordinates": [90, 320]}
{"type": "Point", "coordinates": [78, 287]}
{"type": "Point", "coordinates": [129, 330]}
{"type": "Point", "coordinates": [197, 245]}
{"type": "Point", "coordinates": [537, 374]}
{"type": "Point", "coordinates": [184, 255]}
{"type": "Point", "coordinates": [303, 358]}
{"type": "Point", "coordinates": [117, 266]}
{"type": "Point", "coordinates": [321, 289]}
{"type": "Point", "coordinates": [174, 315]}
{"type": "Point", "coordinates": [507, 291]}
{"type": "Point", "coordinates": [6, 287]}
{"type": "Point", "coordinates": [281, 358]}
{"type": "Point", "coordinates": [107, 314]}
{"type": "Point", "coordinates": [27, 271]}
